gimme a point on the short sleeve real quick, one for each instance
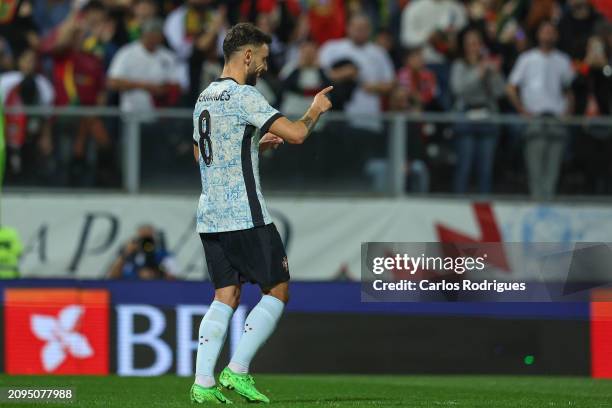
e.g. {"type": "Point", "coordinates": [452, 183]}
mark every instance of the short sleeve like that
{"type": "Point", "coordinates": [387, 72]}
{"type": "Point", "coordinates": [196, 133]}
{"type": "Point", "coordinates": [118, 67]}
{"type": "Point", "coordinates": [255, 109]}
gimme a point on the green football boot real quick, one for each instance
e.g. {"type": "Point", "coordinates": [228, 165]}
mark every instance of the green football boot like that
{"type": "Point", "coordinates": [243, 384]}
{"type": "Point", "coordinates": [201, 395]}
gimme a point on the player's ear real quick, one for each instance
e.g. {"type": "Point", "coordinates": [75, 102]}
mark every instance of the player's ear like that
{"type": "Point", "coordinates": [248, 56]}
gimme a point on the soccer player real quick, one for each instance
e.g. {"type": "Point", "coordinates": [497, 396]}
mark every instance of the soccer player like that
{"type": "Point", "coordinates": [240, 241]}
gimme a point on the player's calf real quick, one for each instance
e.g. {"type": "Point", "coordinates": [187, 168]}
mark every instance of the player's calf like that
{"type": "Point", "coordinates": [211, 336]}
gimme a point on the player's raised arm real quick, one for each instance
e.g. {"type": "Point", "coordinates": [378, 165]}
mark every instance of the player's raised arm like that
{"type": "Point", "coordinates": [298, 131]}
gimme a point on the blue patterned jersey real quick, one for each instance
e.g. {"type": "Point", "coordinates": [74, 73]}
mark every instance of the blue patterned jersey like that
{"type": "Point", "coordinates": [225, 120]}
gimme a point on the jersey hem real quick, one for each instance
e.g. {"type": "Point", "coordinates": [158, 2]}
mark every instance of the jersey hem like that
{"type": "Point", "coordinates": [206, 231]}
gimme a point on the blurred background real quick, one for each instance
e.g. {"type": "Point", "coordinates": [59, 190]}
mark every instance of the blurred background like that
{"type": "Point", "coordinates": [453, 121]}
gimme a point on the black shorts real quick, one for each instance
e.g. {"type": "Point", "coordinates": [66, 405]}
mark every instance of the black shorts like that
{"type": "Point", "coordinates": [255, 255]}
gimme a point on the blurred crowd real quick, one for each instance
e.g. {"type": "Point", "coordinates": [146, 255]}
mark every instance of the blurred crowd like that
{"type": "Point", "coordinates": [538, 58]}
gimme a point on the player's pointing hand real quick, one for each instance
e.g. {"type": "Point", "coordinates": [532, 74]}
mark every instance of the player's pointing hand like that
{"type": "Point", "coordinates": [321, 102]}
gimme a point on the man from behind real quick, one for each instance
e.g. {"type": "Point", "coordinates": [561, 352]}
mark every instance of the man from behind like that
{"type": "Point", "coordinates": [240, 241]}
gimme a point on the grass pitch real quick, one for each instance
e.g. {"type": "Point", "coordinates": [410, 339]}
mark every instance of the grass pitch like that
{"type": "Point", "coordinates": [300, 391]}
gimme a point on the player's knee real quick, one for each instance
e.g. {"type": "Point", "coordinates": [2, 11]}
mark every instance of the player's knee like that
{"type": "Point", "coordinates": [280, 291]}
{"type": "Point", "coordinates": [229, 295]}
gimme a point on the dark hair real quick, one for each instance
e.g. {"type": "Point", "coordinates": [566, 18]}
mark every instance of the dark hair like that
{"type": "Point", "coordinates": [408, 51]}
{"type": "Point", "coordinates": [93, 5]}
{"type": "Point", "coordinates": [463, 34]}
{"type": "Point", "coordinates": [243, 34]}
{"type": "Point", "coordinates": [153, 2]}
{"type": "Point", "coordinates": [21, 52]}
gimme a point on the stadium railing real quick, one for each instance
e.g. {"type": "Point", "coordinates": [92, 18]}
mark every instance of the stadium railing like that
{"type": "Point", "coordinates": [154, 151]}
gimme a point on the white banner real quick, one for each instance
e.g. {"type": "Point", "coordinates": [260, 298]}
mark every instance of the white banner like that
{"type": "Point", "coordinates": [80, 236]}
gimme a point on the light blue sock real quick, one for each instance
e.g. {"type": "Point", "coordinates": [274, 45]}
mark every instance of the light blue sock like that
{"type": "Point", "coordinates": [259, 325]}
{"type": "Point", "coordinates": [213, 330]}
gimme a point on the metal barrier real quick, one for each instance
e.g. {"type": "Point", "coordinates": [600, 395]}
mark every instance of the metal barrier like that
{"type": "Point", "coordinates": [396, 133]}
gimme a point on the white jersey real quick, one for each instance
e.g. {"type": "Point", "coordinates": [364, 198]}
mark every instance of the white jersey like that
{"type": "Point", "coordinates": [225, 119]}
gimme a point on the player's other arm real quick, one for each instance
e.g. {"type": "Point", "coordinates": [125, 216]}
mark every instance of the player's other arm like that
{"type": "Point", "coordinates": [295, 132]}
{"type": "Point", "coordinates": [196, 153]}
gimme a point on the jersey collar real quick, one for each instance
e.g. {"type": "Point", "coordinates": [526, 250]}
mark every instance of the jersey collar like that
{"type": "Point", "coordinates": [225, 79]}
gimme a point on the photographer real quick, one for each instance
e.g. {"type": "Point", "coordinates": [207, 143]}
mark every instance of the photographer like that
{"type": "Point", "coordinates": [145, 258]}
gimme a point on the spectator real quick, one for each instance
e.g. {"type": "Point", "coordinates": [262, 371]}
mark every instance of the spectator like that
{"type": "Point", "coordinates": [8, 11]}
{"type": "Point", "coordinates": [192, 30]}
{"type": "Point", "coordinates": [144, 258]}
{"type": "Point", "coordinates": [78, 80]}
{"type": "Point", "coordinates": [20, 32]}
{"type": "Point", "coordinates": [110, 37]}
{"type": "Point", "coordinates": [6, 56]}
{"type": "Point", "coordinates": [416, 92]}
{"type": "Point", "coordinates": [604, 7]}
{"type": "Point", "coordinates": [434, 24]}
{"type": "Point", "coordinates": [417, 84]}
{"type": "Point", "coordinates": [266, 23]}
{"type": "Point", "coordinates": [416, 171]}
{"type": "Point", "coordinates": [539, 12]}
{"type": "Point", "coordinates": [48, 14]}
{"type": "Point", "coordinates": [301, 33]}
{"type": "Point", "coordinates": [357, 59]}
{"type": "Point", "coordinates": [386, 40]}
{"type": "Point", "coordinates": [268, 84]}
{"type": "Point", "coordinates": [362, 73]}
{"type": "Point", "coordinates": [539, 86]}
{"type": "Point", "coordinates": [24, 87]}
{"type": "Point", "coordinates": [142, 10]}
{"type": "Point", "coordinates": [594, 147]}
{"type": "Point", "coordinates": [576, 26]}
{"type": "Point", "coordinates": [78, 72]}
{"type": "Point", "coordinates": [285, 14]}
{"type": "Point", "coordinates": [327, 20]}
{"type": "Point", "coordinates": [11, 249]}
{"type": "Point", "coordinates": [485, 17]}
{"type": "Point", "coordinates": [511, 37]}
{"type": "Point", "coordinates": [80, 38]}
{"type": "Point", "coordinates": [302, 80]}
{"type": "Point", "coordinates": [605, 32]}
{"type": "Point", "coordinates": [477, 85]}
{"type": "Point", "coordinates": [591, 87]}
{"type": "Point", "coordinates": [146, 76]}
{"type": "Point", "coordinates": [211, 69]}
{"type": "Point", "coordinates": [145, 72]}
